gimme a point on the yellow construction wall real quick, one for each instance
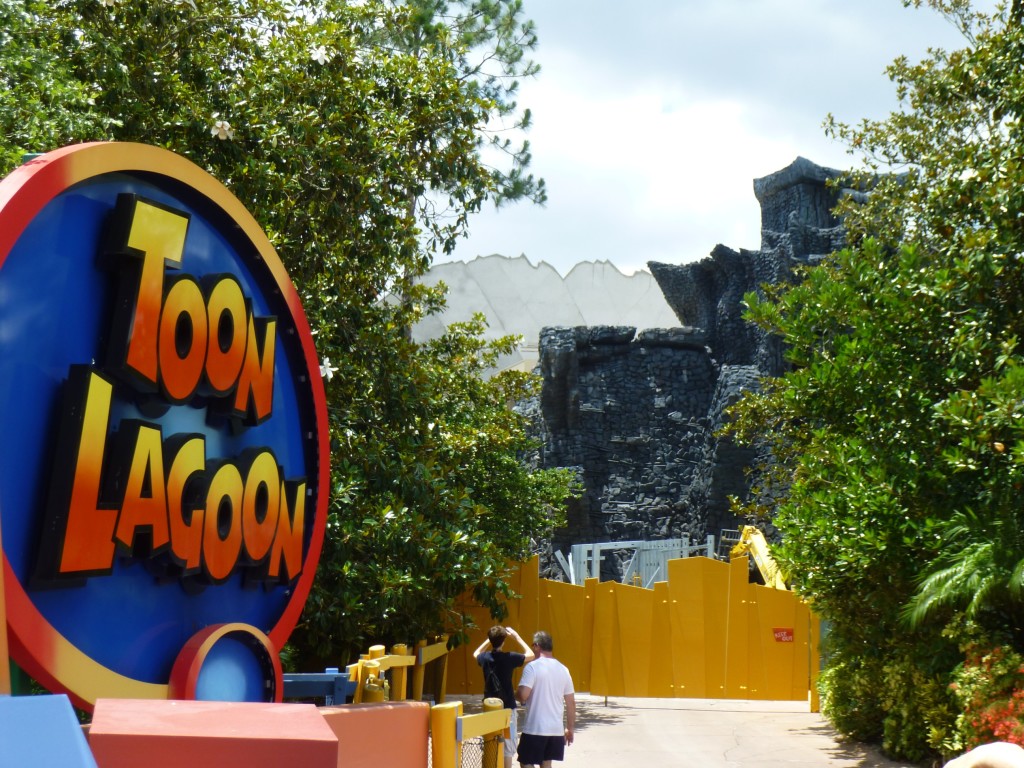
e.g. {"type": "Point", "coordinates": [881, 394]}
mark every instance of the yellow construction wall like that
{"type": "Point", "coordinates": [704, 633]}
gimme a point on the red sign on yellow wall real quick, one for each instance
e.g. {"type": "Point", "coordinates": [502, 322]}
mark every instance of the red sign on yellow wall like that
{"type": "Point", "coordinates": [163, 478]}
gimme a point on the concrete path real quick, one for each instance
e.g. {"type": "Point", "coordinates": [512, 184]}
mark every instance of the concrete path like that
{"type": "Point", "coordinates": [707, 733]}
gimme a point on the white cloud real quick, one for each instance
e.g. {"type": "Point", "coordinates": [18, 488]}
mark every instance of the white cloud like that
{"type": "Point", "coordinates": [651, 123]}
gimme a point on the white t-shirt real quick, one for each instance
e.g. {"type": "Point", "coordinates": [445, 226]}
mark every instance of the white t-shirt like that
{"type": "Point", "coordinates": [549, 683]}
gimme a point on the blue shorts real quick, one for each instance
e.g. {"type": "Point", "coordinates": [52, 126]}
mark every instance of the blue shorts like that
{"type": "Point", "coordinates": [534, 750]}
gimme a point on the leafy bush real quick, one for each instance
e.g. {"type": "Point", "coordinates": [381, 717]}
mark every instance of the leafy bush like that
{"type": "Point", "coordinates": [919, 712]}
{"type": "Point", "coordinates": [989, 687]}
{"type": "Point", "coordinates": [849, 697]}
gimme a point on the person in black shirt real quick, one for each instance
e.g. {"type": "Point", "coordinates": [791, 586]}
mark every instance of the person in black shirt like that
{"type": "Point", "coordinates": [497, 665]}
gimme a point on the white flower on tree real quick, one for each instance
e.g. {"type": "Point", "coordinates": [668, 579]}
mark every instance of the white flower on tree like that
{"type": "Point", "coordinates": [326, 369]}
{"type": "Point", "coordinates": [222, 130]}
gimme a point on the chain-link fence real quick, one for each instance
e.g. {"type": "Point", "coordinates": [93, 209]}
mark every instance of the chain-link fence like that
{"type": "Point", "coordinates": [473, 752]}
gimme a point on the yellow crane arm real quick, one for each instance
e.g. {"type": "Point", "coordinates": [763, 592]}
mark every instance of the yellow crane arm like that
{"type": "Point", "coordinates": [753, 542]}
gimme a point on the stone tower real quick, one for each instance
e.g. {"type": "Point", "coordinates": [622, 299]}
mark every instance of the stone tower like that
{"type": "Point", "coordinates": [636, 414]}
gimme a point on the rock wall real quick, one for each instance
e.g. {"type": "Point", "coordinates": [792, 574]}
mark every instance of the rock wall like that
{"type": "Point", "coordinates": [636, 414]}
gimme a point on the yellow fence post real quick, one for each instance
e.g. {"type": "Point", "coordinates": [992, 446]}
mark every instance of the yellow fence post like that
{"type": "Point", "coordinates": [445, 749]}
{"type": "Point", "coordinates": [443, 684]}
{"type": "Point", "coordinates": [399, 675]}
{"type": "Point", "coordinates": [424, 655]}
{"type": "Point", "coordinates": [418, 671]}
{"type": "Point", "coordinates": [493, 749]}
{"type": "Point", "coordinates": [489, 724]}
{"type": "Point", "coordinates": [355, 673]}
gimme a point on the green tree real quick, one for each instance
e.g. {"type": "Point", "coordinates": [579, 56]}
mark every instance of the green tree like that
{"type": "Point", "coordinates": [445, 502]}
{"type": "Point", "coordinates": [489, 42]}
{"type": "Point", "coordinates": [897, 434]}
{"type": "Point", "coordinates": [41, 103]}
{"type": "Point", "coordinates": [333, 136]}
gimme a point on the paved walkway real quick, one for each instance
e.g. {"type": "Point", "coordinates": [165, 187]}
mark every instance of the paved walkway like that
{"type": "Point", "coordinates": [707, 733]}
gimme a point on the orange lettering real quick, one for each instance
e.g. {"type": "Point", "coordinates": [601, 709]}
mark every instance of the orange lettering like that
{"type": "Point", "coordinates": [254, 397]}
{"type": "Point", "coordinates": [89, 535]}
{"type": "Point", "coordinates": [144, 505]}
{"type": "Point", "coordinates": [222, 533]}
{"type": "Point", "coordinates": [261, 506]}
{"type": "Point", "coordinates": [288, 541]}
{"type": "Point", "coordinates": [183, 337]}
{"type": "Point", "coordinates": [185, 509]}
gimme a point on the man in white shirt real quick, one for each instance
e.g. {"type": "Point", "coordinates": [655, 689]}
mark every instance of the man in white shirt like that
{"type": "Point", "coordinates": [547, 691]}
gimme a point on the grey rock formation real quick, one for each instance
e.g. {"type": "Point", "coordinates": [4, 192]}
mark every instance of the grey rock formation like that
{"type": "Point", "coordinates": [637, 415]}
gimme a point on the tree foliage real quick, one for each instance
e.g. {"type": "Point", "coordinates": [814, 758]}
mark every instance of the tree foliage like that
{"type": "Point", "coordinates": [490, 43]}
{"type": "Point", "coordinates": [341, 137]}
{"type": "Point", "coordinates": [898, 434]}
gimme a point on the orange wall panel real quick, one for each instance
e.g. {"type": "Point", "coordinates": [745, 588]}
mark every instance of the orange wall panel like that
{"type": "Point", "coordinates": [366, 734]}
{"type": "Point", "coordinates": [127, 733]}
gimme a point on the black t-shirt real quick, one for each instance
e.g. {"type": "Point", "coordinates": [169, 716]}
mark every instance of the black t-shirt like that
{"type": "Point", "coordinates": [502, 663]}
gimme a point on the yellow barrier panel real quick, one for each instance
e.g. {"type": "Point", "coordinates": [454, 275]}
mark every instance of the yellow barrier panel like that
{"type": "Point", "coordinates": [586, 669]}
{"type": "Point", "coordinates": [706, 632]}
{"type": "Point", "coordinates": [635, 606]}
{"type": "Point", "coordinates": [428, 653]}
{"type": "Point", "coordinates": [686, 614]}
{"type": "Point", "coordinates": [606, 676]}
{"type": "Point", "coordinates": [736, 673]}
{"type": "Point", "coordinates": [527, 615]}
{"type": "Point", "coordinates": [563, 607]}
{"type": "Point", "coordinates": [715, 585]}
{"type": "Point", "coordinates": [660, 682]}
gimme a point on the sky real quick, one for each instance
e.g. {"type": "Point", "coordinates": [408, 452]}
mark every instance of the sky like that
{"type": "Point", "coordinates": [652, 119]}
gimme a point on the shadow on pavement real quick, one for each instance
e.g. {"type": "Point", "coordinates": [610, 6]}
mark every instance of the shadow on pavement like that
{"type": "Point", "coordinates": [591, 715]}
{"type": "Point", "coordinates": [855, 753]}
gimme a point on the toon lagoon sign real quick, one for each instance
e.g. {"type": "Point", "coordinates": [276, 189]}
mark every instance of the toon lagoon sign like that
{"type": "Point", "coordinates": [164, 459]}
